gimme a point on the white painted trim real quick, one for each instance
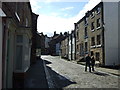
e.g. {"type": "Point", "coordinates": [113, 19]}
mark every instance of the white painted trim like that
{"type": "Point", "coordinates": [17, 16]}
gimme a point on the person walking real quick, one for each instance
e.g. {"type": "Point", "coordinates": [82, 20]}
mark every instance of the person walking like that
{"type": "Point", "coordinates": [93, 62]}
{"type": "Point", "coordinates": [88, 60]}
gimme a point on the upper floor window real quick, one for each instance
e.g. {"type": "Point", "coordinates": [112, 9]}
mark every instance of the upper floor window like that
{"type": "Point", "coordinates": [92, 26]}
{"type": "Point", "coordinates": [26, 22]}
{"type": "Point", "coordinates": [86, 35]}
{"type": "Point", "coordinates": [98, 10]}
{"type": "Point", "coordinates": [86, 21]}
{"type": "Point", "coordinates": [92, 14]}
{"type": "Point", "coordinates": [86, 48]}
{"type": "Point", "coordinates": [98, 39]}
{"type": "Point", "coordinates": [98, 22]}
{"type": "Point", "coordinates": [77, 26]}
{"type": "Point", "coordinates": [77, 34]}
{"type": "Point", "coordinates": [19, 39]}
{"type": "Point", "coordinates": [92, 41]}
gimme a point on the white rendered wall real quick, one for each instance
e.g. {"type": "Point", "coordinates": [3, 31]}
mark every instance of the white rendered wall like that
{"type": "Point", "coordinates": [111, 32]}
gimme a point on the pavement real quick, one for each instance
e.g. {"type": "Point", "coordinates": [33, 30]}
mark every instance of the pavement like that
{"type": "Point", "coordinates": [36, 76]}
{"type": "Point", "coordinates": [106, 70]}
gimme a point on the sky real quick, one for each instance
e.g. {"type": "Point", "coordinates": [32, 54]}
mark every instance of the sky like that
{"type": "Point", "coordinates": [59, 15]}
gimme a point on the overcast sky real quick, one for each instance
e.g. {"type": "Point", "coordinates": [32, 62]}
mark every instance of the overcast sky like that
{"type": "Point", "coordinates": [59, 15]}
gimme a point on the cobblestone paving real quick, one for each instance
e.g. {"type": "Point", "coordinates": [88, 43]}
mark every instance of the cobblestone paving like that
{"type": "Point", "coordinates": [66, 74]}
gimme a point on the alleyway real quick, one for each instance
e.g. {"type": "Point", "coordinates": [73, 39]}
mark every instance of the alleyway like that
{"type": "Point", "coordinates": [65, 74]}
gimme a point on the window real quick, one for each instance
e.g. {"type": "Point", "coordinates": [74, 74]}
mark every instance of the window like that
{"type": "Point", "coordinates": [19, 38]}
{"type": "Point", "coordinates": [98, 10]}
{"type": "Point", "coordinates": [98, 39]}
{"type": "Point", "coordinates": [92, 41]}
{"type": "Point", "coordinates": [98, 22]}
{"type": "Point", "coordinates": [92, 26]}
{"type": "Point", "coordinates": [26, 22]}
{"type": "Point", "coordinates": [86, 32]}
{"type": "Point", "coordinates": [77, 26]}
{"type": "Point", "coordinates": [92, 15]}
{"type": "Point", "coordinates": [97, 56]}
{"type": "Point", "coordinates": [92, 53]}
{"type": "Point", "coordinates": [77, 46]}
{"type": "Point", "coordinates": [81, 50]}
{"type": "Point", "coordinates": [19, 52]}
{"type": "Point", "coordinates": [77, 34]}
{"type": "Point", "coordinates": [86, 46]}
{"type": "Point", "coordinates": [86, 21]}
{"type": "Point", "coordinates": [19, 57]}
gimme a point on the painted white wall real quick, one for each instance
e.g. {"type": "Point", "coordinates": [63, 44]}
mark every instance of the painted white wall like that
{"type": "Point", "coordinates": [111, 32]}
{"type": "Point", "coordinates": [69, 48]}
{"type": "Point", "coordinates": [73, 48]}
{"type": "Point", "coordinates": [119, 31]}
{"type": "Point", "coordinates": [0, 53]}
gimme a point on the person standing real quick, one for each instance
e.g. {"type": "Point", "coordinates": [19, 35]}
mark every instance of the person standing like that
{"type": "Point", "coordinates": [92, 62]}
{"type": "Point", "coordinates": [88, 60]}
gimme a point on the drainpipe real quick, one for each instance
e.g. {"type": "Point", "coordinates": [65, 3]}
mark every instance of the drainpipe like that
{"type": "Point", "coordinates": [103, 41]}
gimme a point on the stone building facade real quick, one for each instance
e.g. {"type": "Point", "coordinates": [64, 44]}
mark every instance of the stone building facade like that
{"type": "Point", "coordinates": [89, 34]}
{"type": "Point", "coordinates": [93, 33]}
{"type": "Point", "coordinates": [17, 41]}
{"type": "Point", "coordinates": [65, 47]}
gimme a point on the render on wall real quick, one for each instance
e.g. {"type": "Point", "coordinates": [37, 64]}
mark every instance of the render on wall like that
{"type": "Point", "coordinates": [111, 32]}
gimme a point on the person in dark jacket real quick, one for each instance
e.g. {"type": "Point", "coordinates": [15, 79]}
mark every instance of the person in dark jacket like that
{"type": "Point", "coordinates": [92, 62]}
{"type": "Point", "coordinates": [88, 60]}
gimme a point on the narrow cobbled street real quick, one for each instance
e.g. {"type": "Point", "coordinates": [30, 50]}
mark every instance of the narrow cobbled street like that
{"type": "Point", "coordinates": [66, 74]}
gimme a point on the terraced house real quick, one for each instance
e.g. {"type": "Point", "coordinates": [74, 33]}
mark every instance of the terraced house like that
{"type": "Point", "coordinates": [96, 33]}
{"type": "Point", "coordinates": [16, 42]}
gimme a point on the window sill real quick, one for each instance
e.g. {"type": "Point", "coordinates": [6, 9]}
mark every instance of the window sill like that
{"type": "Point", "coordinates": [92, 17]}
{"type": "Point", "coordinates": [85, 37]}
{"type": "Point", "coordinates": [98, 28]}
{"type": "Point", "coordinates": [86, 24]}
{"type": "Point", "coordinates": [97, 13]}
{"type": "Point", "coordinates": [93, 46]}
{"type": "Point", "coordinates": [93, 30]}
{"type": "Point", "coordinates": [98, 46]}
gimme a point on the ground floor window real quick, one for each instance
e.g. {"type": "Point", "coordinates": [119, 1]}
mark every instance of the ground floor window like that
{"type": "Point", "coordinates": [92, 53]}
{"type": "Point", "coordinates": [19, 50]}
{"type": "Point", "coordinates": [97, 56]}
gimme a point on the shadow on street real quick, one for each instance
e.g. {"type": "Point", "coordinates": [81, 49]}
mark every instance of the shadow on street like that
{"type": "Point", "coordinates": [36, 77]}
{"type": "Point", "coordinates": [47, 62]}
{"type": "Point", "coordinates": [100, 73]}
{"type": "Point", "coordinates": [59, 81]}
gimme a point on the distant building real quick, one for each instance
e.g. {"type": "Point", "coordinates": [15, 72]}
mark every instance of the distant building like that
{"type": "Point", "coordinates": [47, 47]}
{"type": "Point", "coordinates": [42, 43]}
{"type": "Point", "coordinates": [65, 46]}
{"type": "Point", "coordinates": [55, 44]}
